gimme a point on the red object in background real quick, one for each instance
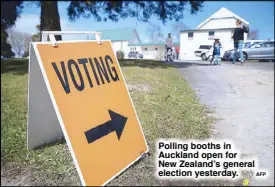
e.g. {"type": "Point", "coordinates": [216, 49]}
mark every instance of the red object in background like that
{"type": "Point", "coordinates": [177, 49]}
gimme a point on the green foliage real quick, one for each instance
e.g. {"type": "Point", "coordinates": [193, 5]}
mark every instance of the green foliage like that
{"type": "Point", "coordinates": [36, 37]}
{"type": "Point", "coordinates": [142, 10]}
{"type": "Point", "coordinates": [10, 10]}
{"type": "Point", "coordinates": [100, 10]}
{"type": "Point", "coordinates": [5, 47]}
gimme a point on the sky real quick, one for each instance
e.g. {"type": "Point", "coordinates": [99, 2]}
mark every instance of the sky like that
{"type": "Point", "coordinates": [260, 15]}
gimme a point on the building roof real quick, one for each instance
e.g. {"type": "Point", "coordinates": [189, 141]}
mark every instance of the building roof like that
{"type": "Point", "coordinates": [203, 30]}
{"type": "Point", "coordinates": [152, 44]}
{"type": "Point", "coordinates": [222, 13]}
{"type": "Point", "coordinates": [120, 34]}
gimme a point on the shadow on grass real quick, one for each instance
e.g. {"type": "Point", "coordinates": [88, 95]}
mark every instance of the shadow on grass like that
{"type": "Point", "coordinates": [20, 66]}
{"type": "Point", "coordinates": [143, 63]}
{"type": "Point", "coordinates": [54, 143]}
{"type": "Point", "coordinates": [158, 64]}
{"type": "Point", "coordinates": [15, 66]}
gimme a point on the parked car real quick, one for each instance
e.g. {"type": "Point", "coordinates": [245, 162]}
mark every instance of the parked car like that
{"type": "Point", "coordinates": [228, 55]}
{"type": "Point", "coordinates": [204, 51]}
{"type": "Point", "coordinates": [249, 43]}
{"type": "Point", "coordinates": [260, 51]}
{"type": "Point", "coordinates": [135, 55]}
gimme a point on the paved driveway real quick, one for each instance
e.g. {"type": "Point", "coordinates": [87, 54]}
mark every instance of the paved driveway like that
{"type": "Point", "coordinates": [243, 96]}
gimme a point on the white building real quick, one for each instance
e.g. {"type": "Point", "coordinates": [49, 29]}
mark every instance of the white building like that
{"type": "Point", "coordinates": [120, 38]}
{"type": "Point", "coordinates": [127, 39]}
{"type": "Point", "coordinates": [221, 24]}
{"type": "Point", "coordinates": [150, 50]}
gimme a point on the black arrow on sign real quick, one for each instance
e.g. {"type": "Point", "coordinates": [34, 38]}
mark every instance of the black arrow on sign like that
{"type": "Point", "coordinates": [116, 123]}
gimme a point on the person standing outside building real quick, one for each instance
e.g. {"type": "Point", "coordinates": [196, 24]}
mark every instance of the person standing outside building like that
{"type": "Point", "coordinates": [178, 51]}
{"type": "Point", "coordinates": [217, 51]}
{"type": "Point", "coordinates": [238, 37]}
{"type": "Point", "coordinates": [168, 43]}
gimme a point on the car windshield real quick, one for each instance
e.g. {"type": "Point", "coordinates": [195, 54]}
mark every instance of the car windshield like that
{"type": "Point", "coordinates": [247, 45]}
{"type": "Point", "coordinates": [205, 47]}
{"type": "Point", "coordinates": [256, 43]}
{"type": "Point", "coordinates": [260, 43]}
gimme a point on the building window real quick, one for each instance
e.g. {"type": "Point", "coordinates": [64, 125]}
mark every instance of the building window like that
{"type": "Point", "coordinates": [156, 49]}
{"type": "Point", "coordinates": [145, 49]}
{"type": "Point", "coordinates": [190, 35]}
{"type": "Point", "coordinates": [133, 48]}
{"type": "Point", "coordinates": [211, 34]}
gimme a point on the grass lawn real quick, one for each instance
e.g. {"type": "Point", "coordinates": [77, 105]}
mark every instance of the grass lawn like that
{"type": "Point", "coordinates": [167, 108]}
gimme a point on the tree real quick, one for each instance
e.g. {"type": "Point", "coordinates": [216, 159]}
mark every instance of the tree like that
{"type": "Point", "coordinates": [114, 10]}
{"type": "Point", "coordinates": [10, 11]}
{"type": "Point", "coordinates": [5, 47]}
{"type": "Point", "coordinates": [27, 40]}
{"type": "Point", "coordinates": [253, 35]}
{"type": "Point", "coordinates": [49, 19]}
{"type": "Point", "coordinates": [154, 33]}
{"type": "Point", "coordinates": [142, 10]}
{"type": "Point", "coordinates": [176, 28]}
{"type": "Point", "coordinates": [19, 42]}
{"type": "Point", "coordinates": [36, 37]}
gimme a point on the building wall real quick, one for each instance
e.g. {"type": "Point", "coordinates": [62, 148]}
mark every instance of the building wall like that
{"type": "Point", "coordinates": [149, 52]}
{"type": "Point", "coordinates": [134, 48]}
{"type": "Point", "coordinates": [187, 46]}
{"type": "Point", "coordinates": [223, 18]}
{"type": "Point", "coordinates": [220, 23]}
{"type": "Point", "coordinates": [121, 46]}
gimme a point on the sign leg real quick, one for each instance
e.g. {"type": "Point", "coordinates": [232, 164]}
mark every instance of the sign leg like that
{"type": "Point", "coordinates": [42, 126]}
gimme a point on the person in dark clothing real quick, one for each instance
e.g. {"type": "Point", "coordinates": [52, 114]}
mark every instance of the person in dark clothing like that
{"type": "Point", "coordinates": [238, 37]}
{"type": "Point", "coordinates": [168, 44]}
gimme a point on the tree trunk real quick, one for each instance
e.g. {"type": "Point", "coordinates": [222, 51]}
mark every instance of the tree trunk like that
{"type": "Point", "coordinates": [49, 18]}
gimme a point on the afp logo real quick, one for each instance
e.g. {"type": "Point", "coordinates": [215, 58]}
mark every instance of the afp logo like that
{"type": "Point", "coordinates": [261, 174]}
